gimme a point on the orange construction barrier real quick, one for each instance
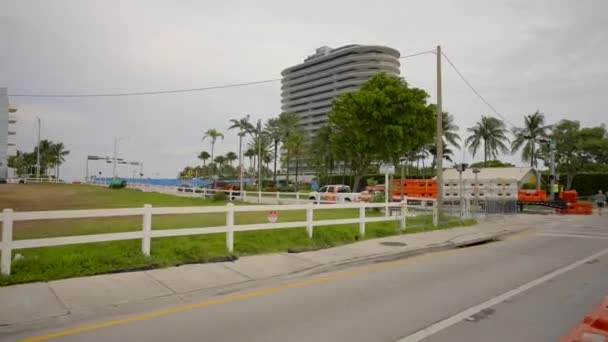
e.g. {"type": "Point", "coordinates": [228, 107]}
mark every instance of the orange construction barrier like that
{"type": "Point", "coordinates": [532, 196]}
{"type": "Point", "coordinates": [569, 196]}
{"type": "Point", "coordinates": [594, 326]}
{"type": "Point", "coordinates": [578, 209]}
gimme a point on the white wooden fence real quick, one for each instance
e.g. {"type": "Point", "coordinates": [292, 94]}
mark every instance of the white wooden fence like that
{"type": "Point", "coordinates": [8, 216]}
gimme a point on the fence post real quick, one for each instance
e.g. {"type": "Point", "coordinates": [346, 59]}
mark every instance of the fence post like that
{"type": "Point", "coordinates": [309, 219]}
{"type": "Point", "coordinates": [297, 197]}
{"type": "Point", "coordinates": [435, 215]}
{"type": "Point", "coordinates": [403, 214]}
{"type": "Point", "coordinates": [230, 195]}
{"type": "Point", "coordinates": [278, 198]}
{"type": "Point", "coordinates": [7, 239]}
{"type": "Point", "coordinates": [362, 219]}
{"type": "Point", "coordinates": [244, 195]}
{"type": "Point", "coordinates": [146, 230]}
{"type": "Point", "coordinates": [204, 192]}
{"type": "Point", "coordinates": [230, 228]}
{"type": "Point", "coordinates": [259, 197]}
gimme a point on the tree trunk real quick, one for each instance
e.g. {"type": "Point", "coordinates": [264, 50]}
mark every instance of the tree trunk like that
{"type": "Point", "coordinates": [485, 154]}
{"type": "Point", "coordinates": [287, 168]}
{"type": "Point", "coordinates": [570, 179]}
{"type": "Point", "coordinates": [274, 173]}
{"type": "Point", "coordinates": [297, 164]}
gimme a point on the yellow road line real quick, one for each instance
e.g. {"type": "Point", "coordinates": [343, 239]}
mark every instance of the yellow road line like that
{"type": "Point", "coordinates": [235, 297]}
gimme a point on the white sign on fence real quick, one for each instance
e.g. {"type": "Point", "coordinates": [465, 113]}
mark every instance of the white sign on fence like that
{"type": "Point", "coordinates": [273, 216]}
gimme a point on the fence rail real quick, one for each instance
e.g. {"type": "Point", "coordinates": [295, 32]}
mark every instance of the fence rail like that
{"type": "Point", "coordinates": [8, 217]}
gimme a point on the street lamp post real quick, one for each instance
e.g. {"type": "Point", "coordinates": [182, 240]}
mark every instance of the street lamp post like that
{"type": "Point", "coordinates": [460, 168]}
{"type": "Point", "coordinates": [476, 190]}
{"type": "Point", "coordinates": [116, 140]}
{"type": "Point", "coordinates": [38, 152]}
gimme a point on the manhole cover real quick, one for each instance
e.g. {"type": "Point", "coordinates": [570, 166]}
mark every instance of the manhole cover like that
{"type": "Point", "coordinates": [393, 243]}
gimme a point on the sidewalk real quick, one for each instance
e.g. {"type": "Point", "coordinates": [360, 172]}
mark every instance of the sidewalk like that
{"type": "Point", "coordinates": [22, 304]}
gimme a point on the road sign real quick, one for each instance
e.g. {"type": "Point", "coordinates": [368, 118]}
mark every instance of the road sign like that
{"type": "Point", "coordinates": [387, 168]}
{"type": "Point", "coordinates": [273, 216]}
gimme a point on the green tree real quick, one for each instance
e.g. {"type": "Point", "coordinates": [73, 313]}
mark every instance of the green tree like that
{"type": "Point", "coordinates": [490, 132]}
{"type": "Point", "coordinates": [57, 156]}
{"type": "Point", "coordinates": [212, 134]}
{"type": "Point", "coordinates": [491, 163]}
{"type": "Point", "coordinates": [219, 160]}
{"type": "Point", "coordinates": [383, 120]}
{"type": "Point", "coordinates": [322, 153]}
{"type": "Point", "coordinates": [297, 146]}
{"type": "Point", "coordinates": [577, 149]}
{"type": "Point", "coordinates": [534, 128]}
{"type": "Point", "coordinates": [231, 157]}
{"type": "Point", "coordinates": [288, 125]}
{"type": "Point", "coordinates": [244, 127]}
{"type": "Point", "coordinates": [273, 130]}
{"type": "Point", "coordinates": [250, 153]}
{"type": "Point", "coordinates": [204, 155]}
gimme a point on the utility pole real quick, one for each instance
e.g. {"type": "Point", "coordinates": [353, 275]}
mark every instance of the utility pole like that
{"type": "Point", "coordinates": [439, 137]}
{"type": "Point", "coordinates": [552, 167]}
{"type": "Point", "coordinates": [38, 152]}
{"type": "Point", "coordinates": [260, 155]}
{"type": "Point", "coordinates": [86, 174]}
{"type": "Point", "coordinates": [114, 158]}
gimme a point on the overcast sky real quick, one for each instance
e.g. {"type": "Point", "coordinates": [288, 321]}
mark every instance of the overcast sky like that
{"type": "Point", "coordinates": [521, 55]}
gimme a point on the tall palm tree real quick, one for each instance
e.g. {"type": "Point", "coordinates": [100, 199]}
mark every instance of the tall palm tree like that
{"type": "Point", "coordinates": [273, 130]}
{"type": "Point", "coordinates": [450, 134]}
{"type": "Point", "coordinates": [534, 128]}
{"type": "Point", "coordinates": [490, 132]}
{"type": "Point", "coordinates": [212, 134]}
{"type": "Point", "coordinates": [250, 153]}
{"type": "Point", "coordinates": [231, 157]}
{"type": "Point", "coordinates": [297, 147]}
{"type": "Point", "coordinates": [204, 155]}
{"type": "Point", "coordinates": [57, 157]}
{"type": "Point", "coordinates": [288, 125]}
{"type": "Point", "coordinates": [245, 127]}
{"type": "Point", "coordinates": [220, 160]}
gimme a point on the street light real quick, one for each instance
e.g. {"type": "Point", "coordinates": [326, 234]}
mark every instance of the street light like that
{"type": "Point", "coordinates": [116, 140]}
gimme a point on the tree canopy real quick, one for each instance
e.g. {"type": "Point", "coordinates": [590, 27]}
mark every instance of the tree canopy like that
{"type": "Point", "coordinates": [381, 121]}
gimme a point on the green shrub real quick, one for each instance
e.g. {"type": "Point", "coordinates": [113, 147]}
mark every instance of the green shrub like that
{"type": "Point", "coordinates": [219, 196]}
{"type": "Point", "coordinates": [529, 186]}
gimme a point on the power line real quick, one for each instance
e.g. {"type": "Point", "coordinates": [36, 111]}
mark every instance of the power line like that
{"type": "Point", "coordinates": [475, 90]}
{"type": "Point", "coordinates": [171, 91]}
{"type": "Point", "coordinates": [417, 54]}
{"type": "Point", "coordinates": [156, 92]}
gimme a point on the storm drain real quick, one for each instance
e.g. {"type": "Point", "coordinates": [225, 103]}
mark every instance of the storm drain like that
{"type": "Point", "coordinates": [393, 243]}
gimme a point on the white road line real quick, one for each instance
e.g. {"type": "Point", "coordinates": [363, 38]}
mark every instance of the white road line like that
{"type": "Point", "coordinates": [448, 322]}
{"type": "Point", "coordinates": [595, 237]}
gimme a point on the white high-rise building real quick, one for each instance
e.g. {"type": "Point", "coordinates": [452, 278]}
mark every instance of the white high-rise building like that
{"type": "Point", "coordinates": [7, 133]}
{"type": "Point", "coordinates": [310, 88]}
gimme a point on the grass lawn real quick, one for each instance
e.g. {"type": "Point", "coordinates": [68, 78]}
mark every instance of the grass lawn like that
{"type": "Point", "coordinates": [42, 264]}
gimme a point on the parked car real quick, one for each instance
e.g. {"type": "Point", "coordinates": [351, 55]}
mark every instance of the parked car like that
{"type": "Point", "coordinates": [333, 194]}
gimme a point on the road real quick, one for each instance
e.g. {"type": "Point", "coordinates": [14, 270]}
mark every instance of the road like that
{"type": "Point", "coordinates": [529, 287]}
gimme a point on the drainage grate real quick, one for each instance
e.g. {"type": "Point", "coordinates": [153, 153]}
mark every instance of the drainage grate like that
{"type": "Point", "coordinates": [393, 243]}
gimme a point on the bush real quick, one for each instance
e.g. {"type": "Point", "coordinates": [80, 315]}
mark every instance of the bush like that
{"type": "Point", "coordinates": [529, 186]}
{"type": "Point", "coordinates": [219, 196]}
{"type": "Point", "coordinates": [371, 182]}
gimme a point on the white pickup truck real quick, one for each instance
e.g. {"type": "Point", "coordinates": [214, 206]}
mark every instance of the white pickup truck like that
{"type": "Point", "coordinates": [338, 193]}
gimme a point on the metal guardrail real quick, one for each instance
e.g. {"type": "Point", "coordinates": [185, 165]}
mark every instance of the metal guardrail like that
{"type": "Point", "coordinates": [8, 217]}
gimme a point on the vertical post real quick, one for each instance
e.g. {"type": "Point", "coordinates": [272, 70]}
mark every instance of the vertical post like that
{"type": "Point", "coordinates": [309, 220]}
{"type": "Point", "coordinates": [38, 153]}
{"type": "Point", "coordinates": [86, 174]}
{"type": "Point", "coordinates": [297, 197]}
{"type": "Point", "coordinates": [146, 230]}
{"type": "Point", "coordinates": [230, 228]}
{"type": "Point", "coordinates": [435, 214]}
{"type": "Point", "coordinates": [204, 192]}
{"type": "Point", "coordinates": [230, 195]}
{"type": "Point", "coordinates": [7, 240]}
{"type": "Point", "coordinates": [244, 194]}
{"type": "Point", "coordinates": [362, 219]}
{"type": "Point", "coordinates": [259, 196]}
{"type": "Point", "coordinates": [278, 198]}
{"type": "Point", "coordinates": [386, 194]}
{"type": "Point", "coordinates": [552, 168]}
{"type": "Point", "coordinates": [439, 136]}
{"type": "Point", "coordinates": [476, 201]}
{"type": "Point", "coordinates": [114, 158]}
{"type": "Point", "coordinates": [403, 214]}
{"type": "Point", "coordinates": [461, 195]}
{"type": "Point", "coordinates": [402, 186]}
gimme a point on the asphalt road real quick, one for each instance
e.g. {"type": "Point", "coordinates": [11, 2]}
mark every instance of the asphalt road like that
{"type": "Point", "coordinates": [529, 287]}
